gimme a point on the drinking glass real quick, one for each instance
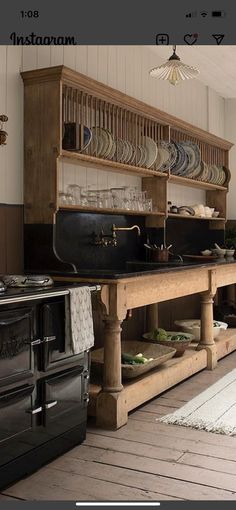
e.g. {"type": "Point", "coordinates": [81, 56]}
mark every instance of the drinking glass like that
{"type": "Point", "coordinates": [148, 205]}
{"type": "Point", "coordinates": [66, 198]}
{"type": "Point", "coordinates": [118, 198]}
{"type": "Point", "coordinates": [75, 191]}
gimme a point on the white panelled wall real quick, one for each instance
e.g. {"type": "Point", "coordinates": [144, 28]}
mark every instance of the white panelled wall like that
{"type": "Point", "coordinates": [230, 133]}
{"type": "Point", "coordinates": [122, 67]}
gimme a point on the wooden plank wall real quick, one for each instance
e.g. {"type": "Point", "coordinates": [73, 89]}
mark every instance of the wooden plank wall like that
{"type": "Point", "coordinates": [11, 239]}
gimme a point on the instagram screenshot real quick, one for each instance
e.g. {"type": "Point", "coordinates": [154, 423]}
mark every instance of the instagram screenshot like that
{"type": "Point", "coordinates": [117, 254]}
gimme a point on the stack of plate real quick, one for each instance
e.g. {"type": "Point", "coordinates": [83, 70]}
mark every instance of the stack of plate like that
{"type": "Point", "coordinates": [213, 174]}
{"type": "Point", "coordinates": [180, 158]}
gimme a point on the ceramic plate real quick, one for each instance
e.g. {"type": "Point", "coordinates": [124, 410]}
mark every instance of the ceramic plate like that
{"type": "Point", "coordinates": [139, 154]}
{"type": "Point", "coordinates": [144, 156]}
{"type": "Point", "coordinates": [94, 143]}
{"type": "Point", "coordinates": [181, 160]}
{"type": "Point", "coordinates": [152, 151]}
{"type": "Point", "coordinates": [119, 155]}
{"type": "Point", "coordinates": [110, 143]}
{"type": "Point", "coordinates": [133, 158]}
{"type": "Point", "coordinates": [126, 152]}
{"type": "Point", "coordinates": [163, 156]}
{"type": "Point", "coordinates": [112, 151]}
{"type": "Point", "coordinates": [172, 150]}
{"type": "Point", "coordinates": [98, 133]}
{"type": "Point", "coordinates": [191, 155]}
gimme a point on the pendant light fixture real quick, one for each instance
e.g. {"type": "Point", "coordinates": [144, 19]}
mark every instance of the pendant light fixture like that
{"type": "Point", "coordinates": [174, 70]}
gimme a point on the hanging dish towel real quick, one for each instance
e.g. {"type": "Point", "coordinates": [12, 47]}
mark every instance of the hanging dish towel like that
{"type": "Point", "coordinates": [79, 319]}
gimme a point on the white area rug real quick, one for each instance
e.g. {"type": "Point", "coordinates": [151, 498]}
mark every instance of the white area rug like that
{"type": "Point", "coordinates": [213, 410]}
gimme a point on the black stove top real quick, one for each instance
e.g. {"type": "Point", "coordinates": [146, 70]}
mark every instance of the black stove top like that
{"type": "Point", "coordinates": [12, 292]}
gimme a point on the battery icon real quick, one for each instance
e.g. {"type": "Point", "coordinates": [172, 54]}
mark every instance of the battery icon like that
{"type": "Point", "coordinates": [218, 14]}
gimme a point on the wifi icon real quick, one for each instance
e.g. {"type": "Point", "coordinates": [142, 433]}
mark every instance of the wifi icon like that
{"type": "Point", "coordinates": [204, 14]}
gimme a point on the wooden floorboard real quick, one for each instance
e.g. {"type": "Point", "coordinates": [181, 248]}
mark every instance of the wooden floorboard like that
{"type": "Point", "coordinates": [145, 460]}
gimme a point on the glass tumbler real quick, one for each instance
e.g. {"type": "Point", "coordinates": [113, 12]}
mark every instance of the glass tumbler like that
{"type": "Point", "coordinates": [148, 205]}
{"type": "Point", "coordinates": [118, 198]}
{"type": "Point", "coordinates": [66, 198]}
{"type": "Point", "coordinates": [75, 191]}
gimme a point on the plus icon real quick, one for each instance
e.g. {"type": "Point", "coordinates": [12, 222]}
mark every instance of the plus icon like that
{"type": "Point", "coordinates": [162, 39]}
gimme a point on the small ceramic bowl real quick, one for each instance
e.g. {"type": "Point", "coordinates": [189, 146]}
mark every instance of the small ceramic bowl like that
{"type": "Point", "coordinates": [206, 252]}
{"type": "Point", "coordinates": [215, 214]}
{"type": "Point", "coordinates": [230, 253]}
{"type": "Point", "coordinates": [220, 253]}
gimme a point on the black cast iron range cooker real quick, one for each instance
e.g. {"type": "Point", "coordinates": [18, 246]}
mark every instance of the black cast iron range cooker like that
{"type": "Point", "coordinates": [43, 385]}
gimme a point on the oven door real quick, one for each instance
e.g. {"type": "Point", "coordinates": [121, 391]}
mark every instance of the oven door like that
{"type": "Point", "coordinates": [56, 348]}
{"type": "Point", "coordinates": [65, 399]}
{"type": "Point", "coordinates": [17, 336]}
{"type": "Point", "coordinates": [17, 419]}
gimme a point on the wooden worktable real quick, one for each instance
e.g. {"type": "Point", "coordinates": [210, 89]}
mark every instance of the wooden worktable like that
{"type": "Point", "coordinates": [112, 401]}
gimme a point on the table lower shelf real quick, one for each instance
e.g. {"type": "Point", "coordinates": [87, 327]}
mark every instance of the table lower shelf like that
{"type": "Point", "coordinates": [153, 383]}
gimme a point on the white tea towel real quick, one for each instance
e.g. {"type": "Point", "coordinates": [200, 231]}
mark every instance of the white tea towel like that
{"type": "Point", "coordinates": [79, 319]}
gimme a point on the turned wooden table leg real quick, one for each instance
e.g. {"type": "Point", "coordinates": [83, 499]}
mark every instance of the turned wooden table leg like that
{"type": "Point", "coordinates": [152, 317]}
{"type": "Point", "coordinates": [207, 337]}
{"type": "Point", "coordinates": [111, 408]}
{"type": "Point", "coordinates": [112, 357]}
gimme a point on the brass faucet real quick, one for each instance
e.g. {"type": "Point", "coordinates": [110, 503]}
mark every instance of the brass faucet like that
{"type": "Point", "coordinates": [116, 229]}
{"type": "Point", "coordinates": [104, 240]}
{"type": "Point", "coordinates": [111, 239]}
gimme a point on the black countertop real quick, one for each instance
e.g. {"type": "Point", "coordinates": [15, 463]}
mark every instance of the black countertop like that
{"type": "Point", "coordinates": [139, 268]}
{"type": "Point", "coordinates": [133, 269]}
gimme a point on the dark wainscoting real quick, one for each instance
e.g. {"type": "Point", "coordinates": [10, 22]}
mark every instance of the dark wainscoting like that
{"type": "Point", "coordinates": [11, 238]}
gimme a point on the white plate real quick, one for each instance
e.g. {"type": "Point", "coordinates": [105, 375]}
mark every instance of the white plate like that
{"type": "Point", "coordinates": [152, 151]}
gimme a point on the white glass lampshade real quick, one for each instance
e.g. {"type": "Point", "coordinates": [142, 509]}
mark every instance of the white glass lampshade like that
{"type": "Point", "coordinates": [174, 70]}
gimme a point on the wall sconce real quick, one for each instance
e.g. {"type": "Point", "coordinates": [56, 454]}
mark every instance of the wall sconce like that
{"type": "Point", "coordinates": [3, 134]}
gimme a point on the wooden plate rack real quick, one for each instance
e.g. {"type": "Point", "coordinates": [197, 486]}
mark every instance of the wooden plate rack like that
{"type": "Point", "coordinates": [58, 95]}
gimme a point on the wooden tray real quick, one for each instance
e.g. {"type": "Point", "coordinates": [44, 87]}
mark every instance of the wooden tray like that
{"type": "Point", "coordinates": [160, 353]}
{"type": "Point", "coordinates": [207, 258]}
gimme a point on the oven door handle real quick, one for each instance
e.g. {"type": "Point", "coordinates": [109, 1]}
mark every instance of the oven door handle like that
{"type": "Point", "coordinates": [47, 339]}
{"type": "Point", "coordinates": [36, 410]}
{"type": "Point", "coordinates": [38, 341]}
{"type": "Point", "coordinates": [50, 404]}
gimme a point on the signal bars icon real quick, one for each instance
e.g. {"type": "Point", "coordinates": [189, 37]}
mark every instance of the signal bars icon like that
{"type": "Point", "coordinates": [191, 14]}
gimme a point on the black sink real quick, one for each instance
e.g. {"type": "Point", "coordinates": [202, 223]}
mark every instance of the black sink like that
{"type": "Point", "coordinates": [132, 268]}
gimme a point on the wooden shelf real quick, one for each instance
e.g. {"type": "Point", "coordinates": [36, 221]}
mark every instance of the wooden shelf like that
{"type": "Point", "coordinates": [145, 387]}
{"type": "Point", "coordinates": [184, 181]}
{"type": "Point", "coordinates": [113, 166]}
{"type": "Point", "coordinates": [157, 380]}
{"type": "Point", "coordinates": [83, 208]}
{"type": "Point", "coordinates": [182, 216]}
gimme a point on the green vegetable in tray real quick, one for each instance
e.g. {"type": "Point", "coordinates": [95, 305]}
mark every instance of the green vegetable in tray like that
{"type": "Point", "coordinates": [138, 359]}
{"type": "Point", "coordinates": [176, 338]}
{"type": "Point", "coordinates": [159, 334]}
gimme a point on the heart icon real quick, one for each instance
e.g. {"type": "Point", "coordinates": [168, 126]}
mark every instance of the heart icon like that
{"type": "Point", "coordinates": [191, 38]}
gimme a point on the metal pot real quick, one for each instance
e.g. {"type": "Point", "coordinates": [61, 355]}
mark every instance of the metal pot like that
{"type": "Point", "coordinates": [3, 287]}
{"type": "Point", "coordinates": [27, 280]}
